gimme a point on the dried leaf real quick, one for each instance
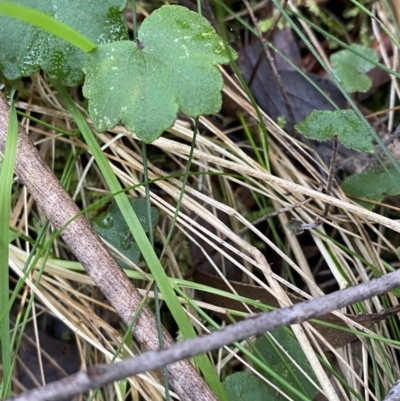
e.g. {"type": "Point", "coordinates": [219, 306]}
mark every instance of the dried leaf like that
{"type": "Point", "coordinates": [335, 337]}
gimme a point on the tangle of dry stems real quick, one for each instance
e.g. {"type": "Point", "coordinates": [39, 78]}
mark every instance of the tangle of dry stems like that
{"type": "Point", "coordinates": [285, 187]}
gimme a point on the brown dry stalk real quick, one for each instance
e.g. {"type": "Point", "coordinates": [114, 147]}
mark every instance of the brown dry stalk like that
{"type": "Point", "coordinates": [88, 248]}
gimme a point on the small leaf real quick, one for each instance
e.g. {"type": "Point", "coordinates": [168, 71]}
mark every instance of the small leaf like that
{"type": "Point", "coordinates": [283, 366]}
{"type": "Point", "coordinates": [112, 227]}
{"type": "Point", "coordinates": [323, 125]}
{"type": "Point", "coordinates": [24, 49]}
{"type": "Point", "coordinates": [242, 386]}
{"type": "Point", "coordinates": [247, 386]}
{"type": "Point", "coordinates": [172, 66]}
{"type": "Point", "coordinates": [350, 68]}
{"type": "Point", "coordinates": [374, 184]}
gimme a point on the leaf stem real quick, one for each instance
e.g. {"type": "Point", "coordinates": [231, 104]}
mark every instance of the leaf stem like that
{"type": "Point", "coordinates": [331, 172]}
{"type": "Point", "coordinates": [134, 20]}
{"type": "Point", "coordinates": [184, 182]}
{"type": "Point", "coordinates": [151, 239]}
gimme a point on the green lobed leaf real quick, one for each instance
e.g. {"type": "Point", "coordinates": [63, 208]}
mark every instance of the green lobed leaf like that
{"type": "Point", "coordinates": [112, 226]}
{"type": "Point", "coordinates": [374, 184]}
{"type": "Point", "coordinates": [284, 367]}
{"type": "Point", "coordinates": [24, 48]}
{"type": "Point", "coordinates": [323, 125]}
{"type": "Point", "coordinates": [247, 386]}
{"type": "Point", "coordinates": [47, 23]}
{"type": "Point", "coordinates": [172, 67]}
{"type": "Point", "coordinates": [242, 386]}
{"type": "Point", "coordinates": [350, 69]}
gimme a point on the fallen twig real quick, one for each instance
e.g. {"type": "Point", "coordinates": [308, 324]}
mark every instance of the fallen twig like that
{"type": "Point", "coordinates": [101, 375]}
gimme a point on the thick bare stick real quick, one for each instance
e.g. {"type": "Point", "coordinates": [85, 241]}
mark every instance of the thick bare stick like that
{"type": "Point", "coordinates": [95, 258]}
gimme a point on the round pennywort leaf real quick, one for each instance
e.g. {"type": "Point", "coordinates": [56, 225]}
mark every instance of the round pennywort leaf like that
{"type": "Point", "coordinates": [171, 67]}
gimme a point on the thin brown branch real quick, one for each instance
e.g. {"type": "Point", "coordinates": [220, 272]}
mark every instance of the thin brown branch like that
{"type": "Point", "coordinates": [88, 248]}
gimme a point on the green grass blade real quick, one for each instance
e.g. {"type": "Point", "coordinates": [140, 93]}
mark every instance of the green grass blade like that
{"type": "Point", "coordinates": [6, 178]}
{"type": "Point", "coordinates": [47, 23]}
{"type": "Point", "coordinates": [142, 241]}
{"type": "Point", "coordinates": [151, 239]}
